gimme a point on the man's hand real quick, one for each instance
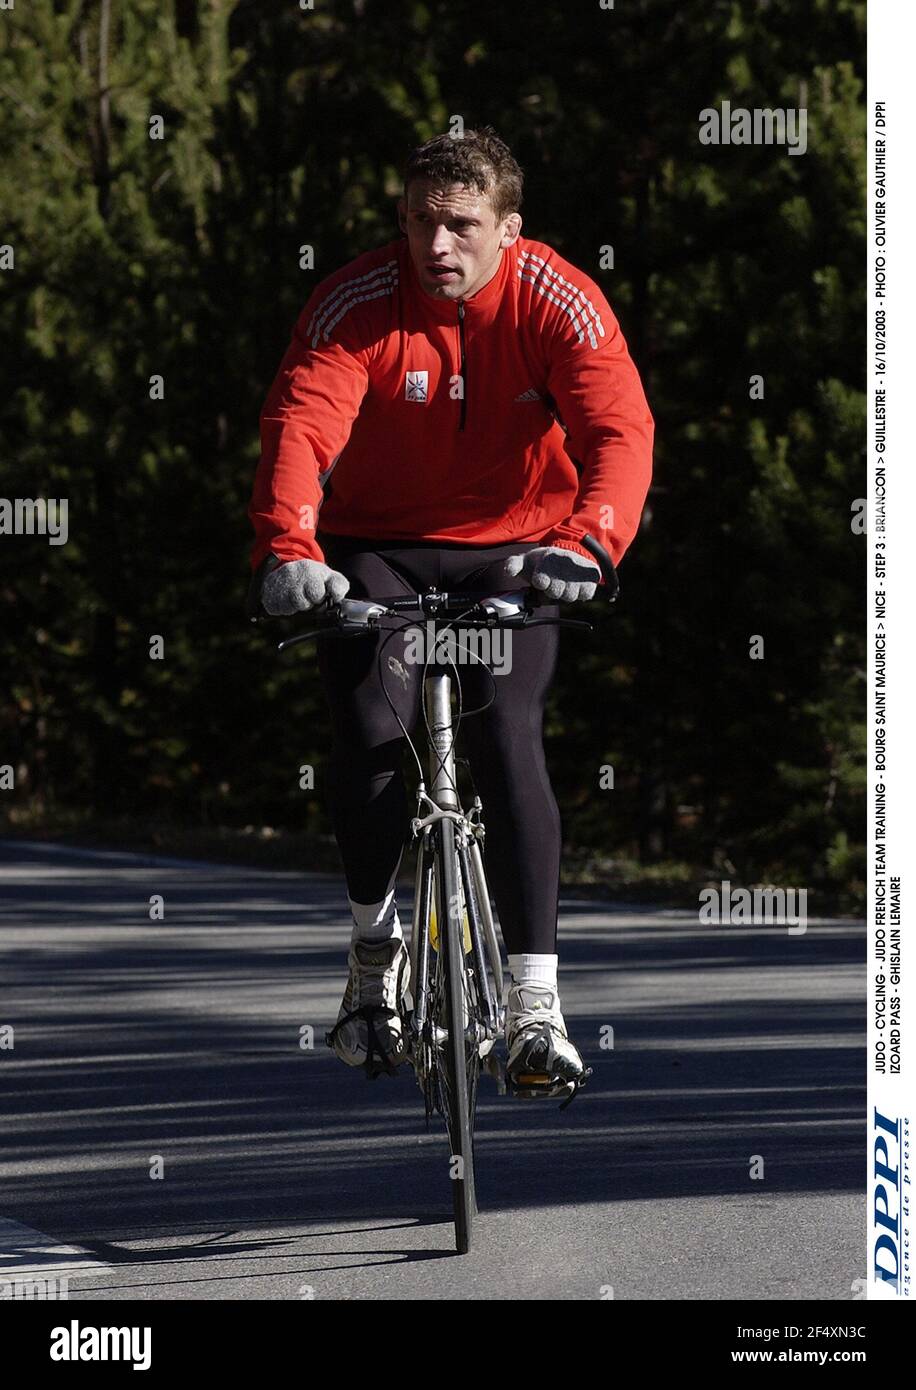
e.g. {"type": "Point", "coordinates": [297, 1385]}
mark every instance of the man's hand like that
{"type": "Point", "coordinates": [299, 585]}
{"type": "Point", "coordinates": [561, 574]}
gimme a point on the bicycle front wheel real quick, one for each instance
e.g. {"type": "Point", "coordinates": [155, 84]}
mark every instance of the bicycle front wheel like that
{"type": "Point", "coordinates": [459, 1057]}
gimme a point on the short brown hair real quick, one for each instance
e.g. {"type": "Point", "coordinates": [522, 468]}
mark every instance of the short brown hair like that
{"type": "Point", "coordinates": [477, 159]}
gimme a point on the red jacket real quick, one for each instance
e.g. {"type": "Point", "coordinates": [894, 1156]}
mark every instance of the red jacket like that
{"type": "Point", "coordinates": [367, 418]}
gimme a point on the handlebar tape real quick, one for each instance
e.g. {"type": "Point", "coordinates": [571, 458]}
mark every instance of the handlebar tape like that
{"type": "Point", "coordinates": [605, 564]}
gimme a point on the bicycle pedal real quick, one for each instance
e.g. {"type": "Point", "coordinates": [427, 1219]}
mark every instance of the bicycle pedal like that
{"type": "Point", "coordinates": [529, 1085]}
{"type": "Point", "coordinates": [544, 1086]}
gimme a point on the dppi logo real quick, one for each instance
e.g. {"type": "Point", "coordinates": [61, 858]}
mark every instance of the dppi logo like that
{"type": "Point", "coordinates": [887, 1200]}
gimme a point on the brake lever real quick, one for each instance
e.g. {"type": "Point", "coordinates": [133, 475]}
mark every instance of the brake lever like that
{"type": "Point", "coordinates": [299, 637]}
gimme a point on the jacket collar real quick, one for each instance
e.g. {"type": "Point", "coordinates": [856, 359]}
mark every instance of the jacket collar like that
{"type": "Point", "coordinates": [480, 309]}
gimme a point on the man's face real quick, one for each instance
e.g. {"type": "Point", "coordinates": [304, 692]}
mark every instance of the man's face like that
{"type": "Point", "coordinates": [455, 241]}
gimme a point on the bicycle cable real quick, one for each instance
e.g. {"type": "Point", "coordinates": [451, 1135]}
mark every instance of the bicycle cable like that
{"type": "Point", "coordinates": [462, 714]}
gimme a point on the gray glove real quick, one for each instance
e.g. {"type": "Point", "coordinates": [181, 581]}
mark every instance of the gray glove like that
{"type": "Point", "coordinates": [562, 574]}
{"type": "Point", "coordinates": [298, 585]}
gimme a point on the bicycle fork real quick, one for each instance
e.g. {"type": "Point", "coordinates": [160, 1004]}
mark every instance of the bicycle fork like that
{"type": "Point", "coordinates": [444, 798]}
{"type": "Point", "coordinates": [442, 804]}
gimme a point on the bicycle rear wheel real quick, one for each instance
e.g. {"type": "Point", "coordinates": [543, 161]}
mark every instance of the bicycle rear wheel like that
{"type": "Point", "coordinates": [459, 1060]}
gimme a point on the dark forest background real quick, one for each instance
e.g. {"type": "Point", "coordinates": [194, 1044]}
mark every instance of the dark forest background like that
{"type": "Point", "coordinates": [179, 257]}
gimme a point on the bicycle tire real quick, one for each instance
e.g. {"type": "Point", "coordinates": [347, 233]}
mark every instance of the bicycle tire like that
{"type": "Point", "coordinates": [489, 927]}
{"type": "Point", "coordinates": [459, 1061]}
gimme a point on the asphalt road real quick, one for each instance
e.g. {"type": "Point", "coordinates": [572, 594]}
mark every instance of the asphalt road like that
{"type": "Point", "coordinates": [165, 1134]}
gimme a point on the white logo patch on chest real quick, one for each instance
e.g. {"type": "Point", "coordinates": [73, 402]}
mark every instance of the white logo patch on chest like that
{"type": "Point", "coordinates": [416, 387]}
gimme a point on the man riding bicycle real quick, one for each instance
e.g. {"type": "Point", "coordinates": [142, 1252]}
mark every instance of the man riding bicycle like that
{"type": "Point", "coordinates": [461, 408]}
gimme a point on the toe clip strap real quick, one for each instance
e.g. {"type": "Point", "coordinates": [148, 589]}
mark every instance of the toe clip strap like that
{"type": "Point", "coordinates": [576, 1087]}
{"type": "Point", "coordinates": [377, 1058]}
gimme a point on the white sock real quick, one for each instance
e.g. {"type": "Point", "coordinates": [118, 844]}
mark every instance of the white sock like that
{"type": "Point", "coordinates": [376, 921]}
{"type": "Point", "coordinates": [533, 969]}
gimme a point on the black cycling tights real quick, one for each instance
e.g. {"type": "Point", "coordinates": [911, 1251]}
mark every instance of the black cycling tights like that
{"type": "Point", "coordinates": [367, 797]}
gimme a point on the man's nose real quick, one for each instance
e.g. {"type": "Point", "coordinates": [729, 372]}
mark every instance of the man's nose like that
{"type": "Point", "coordinates": [441, 243]}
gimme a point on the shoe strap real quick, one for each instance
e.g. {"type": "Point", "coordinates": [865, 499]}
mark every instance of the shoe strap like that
{"type": "Point", "coordinates": [374, 1047]}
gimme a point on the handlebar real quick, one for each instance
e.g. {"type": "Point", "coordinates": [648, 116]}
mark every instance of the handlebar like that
{"type": "Point", "coordinates": [516, 609]}
{"type": "Point", "coordinates": [354, 615]}
{"type": "Point", "coordinates": [606, 566]}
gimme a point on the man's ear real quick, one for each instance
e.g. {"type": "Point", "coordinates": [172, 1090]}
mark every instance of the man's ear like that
{"type": "Point", "coordinates": [402, 214]}
{"type": "Point", "coordinates": [511, 229]}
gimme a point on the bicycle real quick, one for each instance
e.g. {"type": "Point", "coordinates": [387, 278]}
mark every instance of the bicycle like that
{"type": "Point", "coordinates": [457, 984]}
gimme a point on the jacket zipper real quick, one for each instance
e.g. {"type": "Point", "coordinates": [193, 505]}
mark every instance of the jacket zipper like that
{"type": "Point", "coordinates": [464, 365]}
